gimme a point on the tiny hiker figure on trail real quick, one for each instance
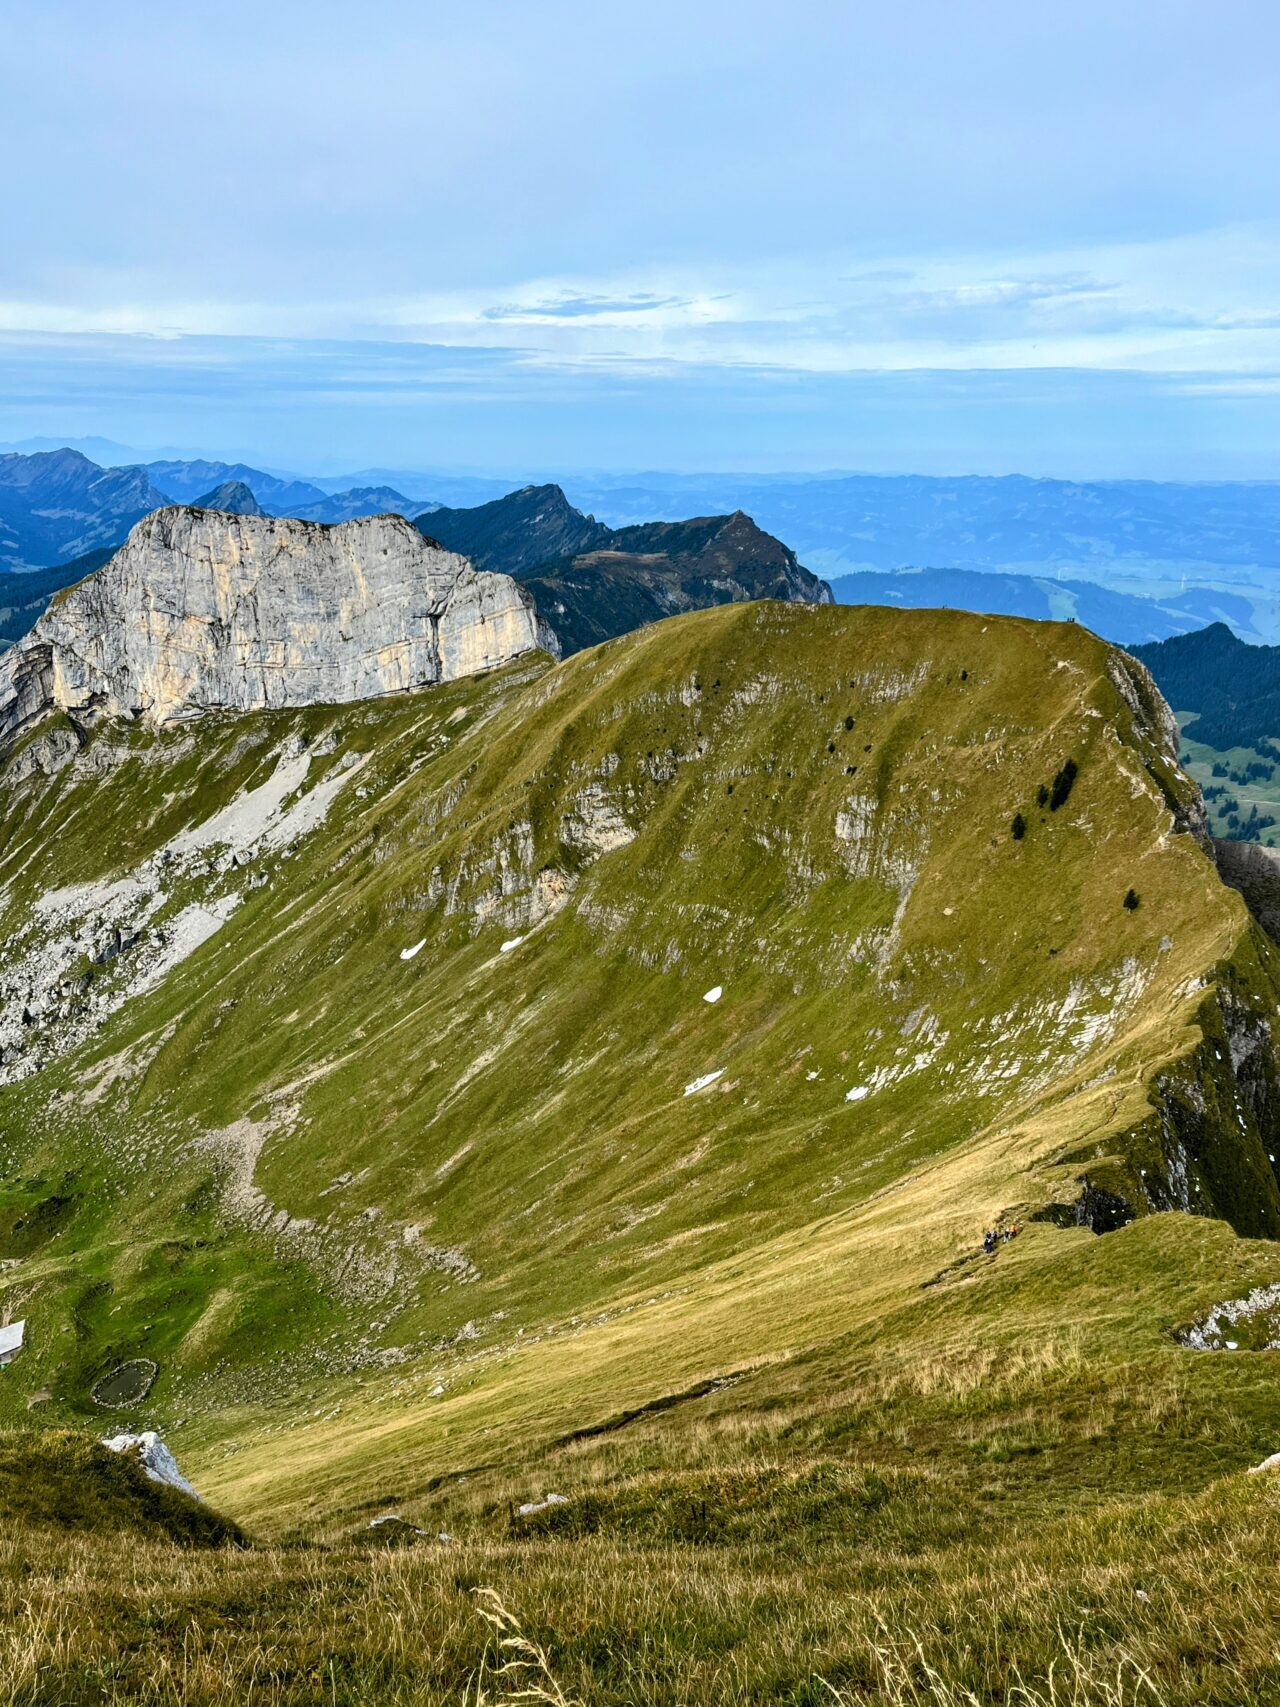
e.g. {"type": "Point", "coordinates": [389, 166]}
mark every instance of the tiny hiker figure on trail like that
{"type": "Point", "coordinates": [988, 1242]}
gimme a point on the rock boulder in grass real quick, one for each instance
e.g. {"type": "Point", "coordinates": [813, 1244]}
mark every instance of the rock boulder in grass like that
{"type": "Point", "coordinates": [157, 1462]}
{"type": "Point", "coordinates": [204, 611]}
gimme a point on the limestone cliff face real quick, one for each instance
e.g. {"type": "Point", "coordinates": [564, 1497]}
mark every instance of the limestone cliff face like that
{"type": "Point", "coordinates": [202, 610]}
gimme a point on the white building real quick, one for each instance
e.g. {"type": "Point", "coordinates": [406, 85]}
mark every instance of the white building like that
{"type": "Point", "coordinates": [12, 1338]}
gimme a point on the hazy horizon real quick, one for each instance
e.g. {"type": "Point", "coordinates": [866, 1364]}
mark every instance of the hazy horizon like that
{"type": "Point", "coordinates": [709, 238]}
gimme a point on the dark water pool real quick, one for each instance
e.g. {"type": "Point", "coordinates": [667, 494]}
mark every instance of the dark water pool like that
{"type": "Point", "coordinates": [127, 1384]}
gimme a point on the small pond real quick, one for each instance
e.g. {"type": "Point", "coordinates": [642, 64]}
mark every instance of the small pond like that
{"type": "Point", "coordinates": [127, 1384]}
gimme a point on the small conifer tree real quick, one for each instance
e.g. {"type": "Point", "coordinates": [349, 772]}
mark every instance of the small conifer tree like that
{"type": "Point", "coordinates": [1018, 827]}
{"type": "Point", "coordinates": [1132, 901]}
{"type": "Point", "coordinates": [1062, 784]}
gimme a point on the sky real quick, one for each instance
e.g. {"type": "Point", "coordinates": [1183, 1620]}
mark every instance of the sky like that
{"type": "Point", "coordinates": [925, 237]}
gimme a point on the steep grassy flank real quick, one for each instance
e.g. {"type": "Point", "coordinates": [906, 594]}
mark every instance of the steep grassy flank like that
{"type": "Point", "coordinates": [384, 1219]}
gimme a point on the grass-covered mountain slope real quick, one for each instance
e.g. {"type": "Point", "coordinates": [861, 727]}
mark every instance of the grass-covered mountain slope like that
{"type": "Point", "coordinates": [597, 1078]}
{"type": "Point", "coordinates": [56, 1480]}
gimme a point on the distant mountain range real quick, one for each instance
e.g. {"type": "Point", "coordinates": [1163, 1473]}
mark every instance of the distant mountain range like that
{"type": "Point", "coordinates": [57, 505]}
{"type": "Point", "coordinates": [590, 582]}
{"type": "Point", "coordinates": [1136, 561]}
{"type": "Point", "coordinates": [863, 521]}
{"type": "Point", "coordinates": [1123, 617]}
{"type": "Point", "coordinates": [593, 582]}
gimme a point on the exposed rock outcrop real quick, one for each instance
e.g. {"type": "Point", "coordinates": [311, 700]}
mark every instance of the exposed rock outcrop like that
{"type": "Point", "coordinates": [203, 611]}
{"type": "Point", "coordinates": [158, 1463]}
{"type": "Point", "coordinates": [1255, 871]}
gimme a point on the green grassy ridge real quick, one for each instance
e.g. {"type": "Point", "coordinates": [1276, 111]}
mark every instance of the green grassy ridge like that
{"type": "Point", "coordinates": [59, 1480]}
{"type": "Point", "coordinates": [569, 1168]}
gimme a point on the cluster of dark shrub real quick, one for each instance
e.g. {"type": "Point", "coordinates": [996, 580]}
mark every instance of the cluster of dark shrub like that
{"type": "Point", "coordinates": [1257, 770]}
{"type": "Point", "coordinates": [1247, 829]}
{"type": "Point", "coordinates": [1050, 795]}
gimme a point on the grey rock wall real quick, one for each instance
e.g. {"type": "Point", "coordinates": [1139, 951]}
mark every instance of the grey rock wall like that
{"type": "Point", "coordinates": [201, 611]}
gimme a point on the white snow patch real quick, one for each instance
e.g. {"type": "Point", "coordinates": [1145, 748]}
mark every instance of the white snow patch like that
{"type": "Point", "coordinates": [857, 1093]}
{"type": "Point", "coordinates": [412, 953]}
{"type": "Point", "coordinates": [511, 942]}
{"type": "Point", "coordinates": [1272, 1463]}
{"type": "Point", "coordinates": [702, 1083]}
{"type": "Point", "coordinates": [154, 1456]}
{"type": "Point", "coordinates": [714, 993]}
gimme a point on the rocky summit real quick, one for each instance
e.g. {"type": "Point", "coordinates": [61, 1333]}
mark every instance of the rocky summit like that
{"type": "Point", "coordinates": [202, 610]}
{"type": "Point", "coordinates": [593, 582]}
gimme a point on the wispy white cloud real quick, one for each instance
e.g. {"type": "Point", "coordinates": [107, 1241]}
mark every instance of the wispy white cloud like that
{"type": "Point", "coordinates": [574, 305]}
{"type": "Point", "coordinates": [1199, 303]}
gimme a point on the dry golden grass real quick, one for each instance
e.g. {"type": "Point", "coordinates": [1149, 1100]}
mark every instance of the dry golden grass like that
{"type": "Point", "coordinates": [1158, 1601]}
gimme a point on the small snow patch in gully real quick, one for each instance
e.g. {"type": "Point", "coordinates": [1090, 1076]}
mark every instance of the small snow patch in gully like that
{"type": "Point", "coordinates": [857, 1093]}
{"type": "Point", "coordinates": [411, 953]}
{"type": "Point", "coordinates": [702, 1083]}
{"type": "Point", "coordinates": [512, 942]}
{"type": "Point", "coordinates": [714, 993]}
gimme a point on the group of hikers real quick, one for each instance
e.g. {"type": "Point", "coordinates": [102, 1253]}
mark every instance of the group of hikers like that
{"type": "Point", "coordinates": [999, 1236]}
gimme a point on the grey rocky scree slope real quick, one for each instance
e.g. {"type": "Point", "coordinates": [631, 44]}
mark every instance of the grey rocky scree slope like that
{"type": "Point", "coordinates": [203, 611]}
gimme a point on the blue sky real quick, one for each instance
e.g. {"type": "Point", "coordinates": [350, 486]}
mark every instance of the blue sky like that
{"type": "Point", "coordinates": [930, 237]}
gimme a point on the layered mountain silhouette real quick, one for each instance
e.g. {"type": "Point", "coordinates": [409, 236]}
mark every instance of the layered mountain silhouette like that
{"type": "Point", "coordinates": [202, 483]}
{"type": "Point", "coordinates": [590, 582]}
{"type": "Point", "coordinates": [1124, 617]}
{"type": "Point", "coordinates": [519, 532]}
{"type": "Point", "coordinates": [57, 505]}
{"type": "Point", "coordinates": [593, 582]}
{"type": "Point", "coordinates": [233, 497]}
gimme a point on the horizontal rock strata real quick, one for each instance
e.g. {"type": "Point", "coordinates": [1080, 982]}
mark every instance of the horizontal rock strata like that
{"type": "Point", "coordinates": [201, 611]}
